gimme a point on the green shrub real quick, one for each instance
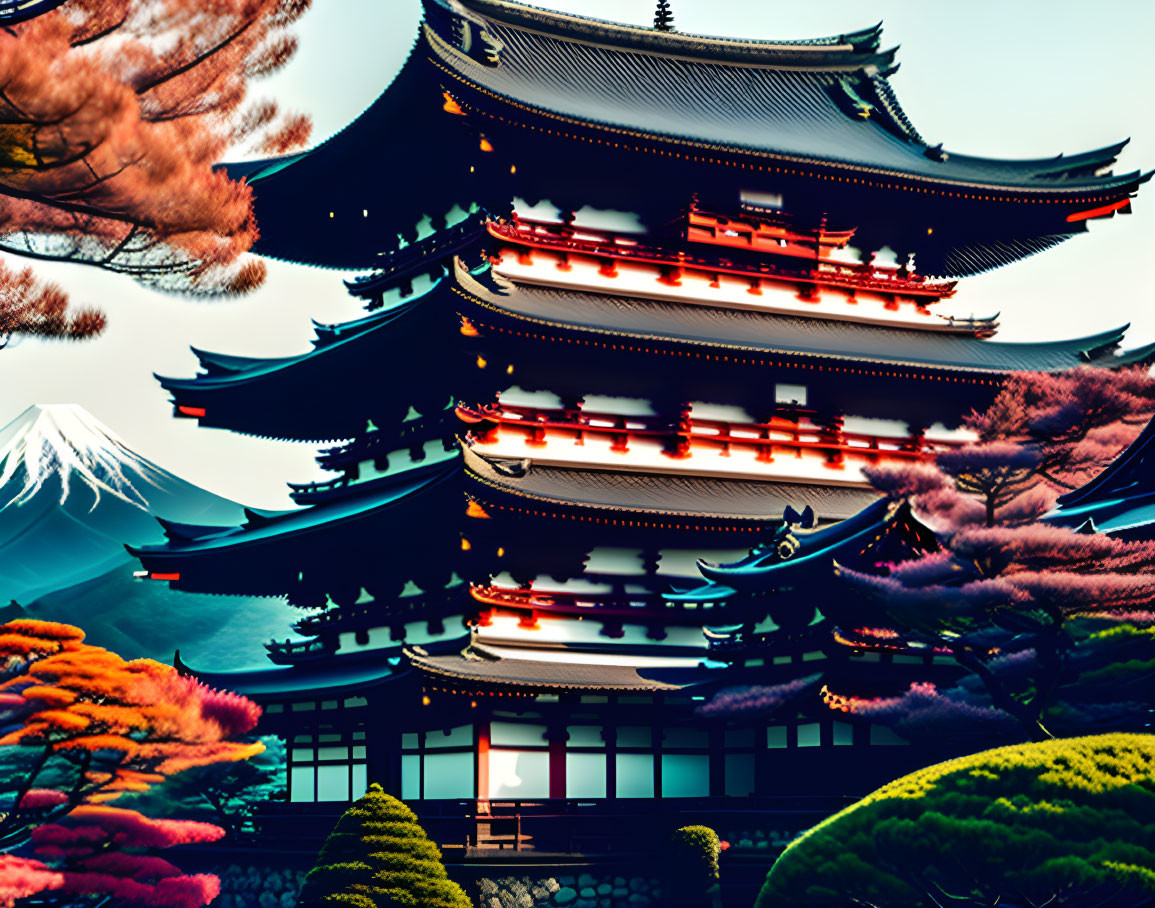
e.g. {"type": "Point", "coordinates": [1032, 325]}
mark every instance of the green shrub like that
{"type": "Point", "coordinates": [1065, 822]}
{"type": "Point", "coordinates": [376, 856]}
{"type": "Point", "coordinates": [692, 868]}
{"type": "Point", "coordinates": [699, 847]}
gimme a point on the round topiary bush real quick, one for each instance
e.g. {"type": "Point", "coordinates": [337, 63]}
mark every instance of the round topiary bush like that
{"type": "Point", "coordinates": [377, 856]}
{"type": "Point", "coordinates": [1058, 823]}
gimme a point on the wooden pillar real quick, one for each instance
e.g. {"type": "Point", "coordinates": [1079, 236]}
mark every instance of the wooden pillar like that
{"type": "Point", "coordinates": [557, 737]}
{"type": "Point", "coordinates": [610, 736]}
{"type": "Point", "coordinates": [717, 762]}
{"type": "Point", "coordinates": [656, 743]}
{"type": "Point", "coordinates": [482, 766]}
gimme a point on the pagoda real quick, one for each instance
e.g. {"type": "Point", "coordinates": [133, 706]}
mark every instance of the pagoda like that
{"type": "Point", "coordinates": [573, 383]}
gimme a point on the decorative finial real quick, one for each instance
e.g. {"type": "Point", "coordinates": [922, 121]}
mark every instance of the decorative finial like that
{"type": "Point", "coordinates": [664, 17]}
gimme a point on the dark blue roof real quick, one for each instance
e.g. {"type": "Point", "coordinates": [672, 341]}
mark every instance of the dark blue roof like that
{"type": "Point", "coordinates": [310, 396]}
{"type": "Point", "coordinates": [793, 559]}
{"type": "Point", "coordinates": [802, 102]}
{"type": "Point", "coordinates": [387, 493]}
{"type": "Point", "coordinates": [1119, 501]}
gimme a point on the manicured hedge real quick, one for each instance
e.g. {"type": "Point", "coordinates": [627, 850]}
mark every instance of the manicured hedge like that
{"type": "Point", "coordinates": [1064, 822]}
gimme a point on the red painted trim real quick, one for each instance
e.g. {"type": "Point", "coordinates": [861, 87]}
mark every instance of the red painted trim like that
{"type": "Point", "coordinates": [483, 766]}
{"type": "Point", "coordinates": [903, 287]}
{"type": "Point", "coordinates": [1098, 212]}
{"type": "Point", "coordinates": [164, 576]}
{"type": "Point", "coordinates": [557, 767]}
{"type": "Point", "coordinates": [190, 411]}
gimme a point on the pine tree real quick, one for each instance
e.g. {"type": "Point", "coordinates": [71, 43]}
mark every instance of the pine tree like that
{"type": "Point", "coordinates": [664, 17]}
{"type": "Point", "coordinates": [378, 855]}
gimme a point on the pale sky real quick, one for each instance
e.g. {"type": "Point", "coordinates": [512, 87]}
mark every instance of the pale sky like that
{"type": "Point", "coordinates": [1027, 78]}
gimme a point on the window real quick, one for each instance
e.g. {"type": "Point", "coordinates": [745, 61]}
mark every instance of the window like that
{"type": "Point", "coordinates": [776, 737]}
{"type": "Point", "coordinates": [685, 762]}
{"type": "Point", "coordinates": [585, 775]}
{"type": "Point", "coordinates": [634, 761]}
{"type": "Point", "coordinates": [739, 775]}
{"type": "Point", "coordinates": [843, 733]}
{"type": "Point", "coordinates": [449, 775]}
{"type": "Point", "coordinates": [739, 762]}
{"type": "Point", "coordinates": [685, 775]}
{"type": "Point", "coordinates": [327, 766]}
{"type": "Point", "coordinates": [518, 760]}
{"type": "Point", "coordinates": [635, 775]}
{"type": "Point", "coordinates": [585, 762]}
{"type": "Point", "coordinates": [519, 774]}
{"type": "Point", "coordinates": [809, 734]}
{"type": "Point", "coordinates": [438, 764]}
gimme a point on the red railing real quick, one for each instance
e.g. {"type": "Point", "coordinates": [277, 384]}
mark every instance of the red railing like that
{"type": "Point", "coordinates": [831, 274]}
{"type": "Point", "coordinates": [678, 432]}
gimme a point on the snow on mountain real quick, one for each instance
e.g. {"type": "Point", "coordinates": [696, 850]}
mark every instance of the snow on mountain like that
{"type": "Point", "coordinates": [72, 493]}
{"type": "Point", "coordinates": [66, 441]}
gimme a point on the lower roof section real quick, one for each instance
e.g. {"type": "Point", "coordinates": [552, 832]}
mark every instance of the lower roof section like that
{"type": "Point", "coordinates": [613, 494]}
{"type": "Point", "coordinates": [483, 668]}
{"type": "Point", "coordinates": [337, 676]}
{"type": "Point", "coordinates": [641, 326]}
{"type": "Point", "coordinates": [1119, 501]}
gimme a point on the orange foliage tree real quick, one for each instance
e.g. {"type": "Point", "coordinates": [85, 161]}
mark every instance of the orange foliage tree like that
{"type": "Point", "coordinates": [112, 115]}
{"type": "Point", "coordinates": [79, 726]}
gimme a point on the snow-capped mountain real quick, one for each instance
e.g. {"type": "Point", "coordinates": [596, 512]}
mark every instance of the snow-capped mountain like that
{"type": "Point", "coordinates": [67, 442]}
{"type": "Point", "coordinates": [72, 493]}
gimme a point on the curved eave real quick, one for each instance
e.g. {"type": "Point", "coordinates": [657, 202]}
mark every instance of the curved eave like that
{"type": "Point", "coordinates": [226, 363]}
{"type": "Point", "coordinates": [480, 666]}
{"type": "Point", "coordinates": [1047, 356]}
{"type": "Point", "coordinates": [263, 529]}
{"type": "Point", "coordinates": [1085, 163]}
{"type": "Point", "coordinates": [634, 515]}
{"type": "Point", "coordinates": [707, 592]}
{"type": "Point", "coordinates": [1110, 482]}
{"type": "Point", "coordinates": [752, 575]}
{"type": "Point", "coordinates": [350, 675]}
{"type": "Point", "coordinates": [225, 370]}
{"type": "Point", "coordinates": [1099, 190]}
{"type": "Point", "coordinates": [255, 171]}
{"type": "Point", "coordinates": [1137, 356]}
{"type": "Point", "coordinates": [851, 51]}
{"type": "Point", "coordinates": [815, 542]}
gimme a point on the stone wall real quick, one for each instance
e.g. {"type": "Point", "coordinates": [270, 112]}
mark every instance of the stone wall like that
{"type": "Point", "coordinates": [588, 889]}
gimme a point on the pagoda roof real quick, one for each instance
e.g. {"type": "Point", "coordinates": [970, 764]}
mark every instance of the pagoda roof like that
{"type": "Point", "coordinates": [794, 558]}
{"type": "Point", "coordinates": [753, 335]}
{"type": "Point", "coordinates": [822, 101]}
{"type": "Point", "coordinates": [485, 666]}
{"type": "Point", "coordinates": [292, 397]}
{"type": "Point", "coordinates": [751, 503]}
{"type": "Point", "coordinates": [1119, 501]}
{"type": "Point", "coordinates": [391, 492]}
{"type": "Point", "coordinates": [342, 203]}
{"type": "Point", "coordinates": [348, 675]}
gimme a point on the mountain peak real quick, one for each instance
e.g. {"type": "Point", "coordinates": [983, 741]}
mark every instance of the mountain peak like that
{"type": "Point", "coordinates": [68, 442]}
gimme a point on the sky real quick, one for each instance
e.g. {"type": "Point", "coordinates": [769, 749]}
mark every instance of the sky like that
{"type": "Point", "coordinates": [1028, 78]}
